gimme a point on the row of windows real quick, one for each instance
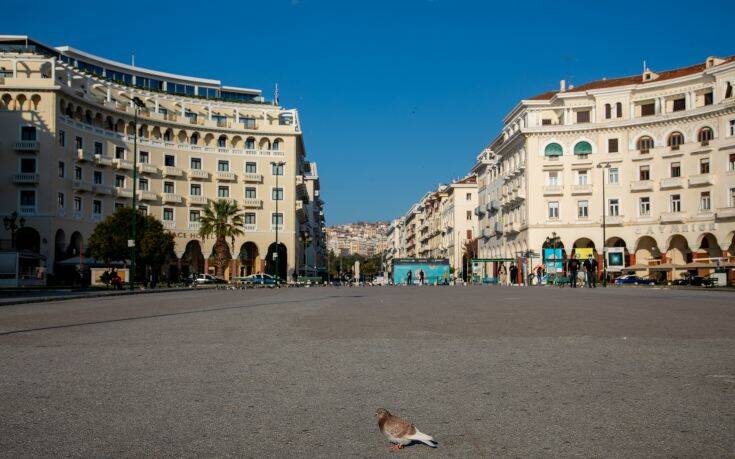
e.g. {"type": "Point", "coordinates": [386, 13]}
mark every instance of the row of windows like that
{"type": "Point", "coordinates": [644, 172]}
{"type": "Point", "coordinates": [644, 205]}
{"type": "Point", "coordinates": [644, 143]}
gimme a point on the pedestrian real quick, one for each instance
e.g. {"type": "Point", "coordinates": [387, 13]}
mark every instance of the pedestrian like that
{"type": "Point", "coordinates": [539, 275]}
{"type": "Point", "coordinates": [587, 264]}
{"type": "Point", "coordinates": [513, 273]}
{"type": "Point", "coordinates": [593, 271]}
{"type": "Point", "coordinates": [503, 274]}
{"type": "Point", "coordinates": [573, 267]}
{"type": "Point", "coordinates": [421, 277]}
{"type": "Point", "coordinates": [409, 281]}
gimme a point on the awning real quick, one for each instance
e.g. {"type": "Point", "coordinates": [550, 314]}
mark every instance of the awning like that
{"type": "Point", "coordinates": [637, 267]}
{"type": "Point", "coordinates": [666, 267]}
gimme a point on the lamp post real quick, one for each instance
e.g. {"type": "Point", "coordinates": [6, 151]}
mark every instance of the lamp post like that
{"type": "Point", "coordinates": [12, 223]}
{"type": "Point", "coordinates": [604, 166]}
{"type": "Point", "coordinates": [278, 170]}
{"type": "Point", "coordinates": [137, 105]}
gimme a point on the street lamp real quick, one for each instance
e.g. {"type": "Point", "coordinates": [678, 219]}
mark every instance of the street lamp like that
{"type": "Point", "coordinates": [604, 166]}
{"type": "Point", "coordinates": [278, 170]}
{"type": "Point", "coordinates": [137, 105]}
{"type": "Point", "coordinates": [12, 223]}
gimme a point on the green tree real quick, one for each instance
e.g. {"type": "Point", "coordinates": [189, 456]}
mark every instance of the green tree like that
{"type": "Point", "coordinates": [109, 240]}
{"type": "Point", "coordinates": [221, 219]}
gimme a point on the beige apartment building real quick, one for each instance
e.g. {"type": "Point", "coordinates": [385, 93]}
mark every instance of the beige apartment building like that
{"type": "Point", "coordinates": [67, 130]}
{"type": "Point", "coordinates": [438, 226]}
{"type": "Point", "coordinates": [660, 144]}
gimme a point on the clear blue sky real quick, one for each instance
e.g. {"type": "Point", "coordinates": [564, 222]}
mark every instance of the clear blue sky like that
{"type": "Point", "coordinates": [395, 96]}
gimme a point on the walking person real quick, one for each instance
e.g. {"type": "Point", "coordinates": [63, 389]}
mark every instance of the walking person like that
{"type": "Point", "coordinates": [503, 274]}
{"type": "Point", "coordinates": [409, 281]}
{"type": "Point", "coordinates": [587, 264]}
{"type": "Point", "coordinates": [573, 267]}
{"type": "Point", "coordinates": [421, 277]}
{"type": "Point", "coordinates": [513, 273]}
{"type": "Point", "coordinates": [593, 271]}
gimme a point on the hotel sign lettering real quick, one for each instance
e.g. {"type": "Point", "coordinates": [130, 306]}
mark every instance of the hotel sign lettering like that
{"type": "Point", "coordinates": [672, 229]}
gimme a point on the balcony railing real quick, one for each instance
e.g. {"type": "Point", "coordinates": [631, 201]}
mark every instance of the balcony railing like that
{"type": "Point", "coordinates": [198, 174]}
{"type": "Point", "coordinates": [553, 190]}
{"type": "Point", "coordinates": [195, 225]}
{"type": "Point", "coordinates": [103, 189]}
{"type": "Point", "coordinates": [81, 186]}
{"type": "Point", "coordinates": [614, 220]}
{"type": "Point", "coordinates": [671, 217]}
{"type": "Point", "coordinates": [145, 195]}
{"type": "Point", "coordinates": [102, 160]}
{"type": "Point", "coordinates": [641, 185]}
{"type": "Point", "coordinates": [671, 182]}
{"type": "Point", "coordinates": [123, 164]}
{"type": "Point", "coordinates": [252, 177]}
{"type": "Point", "coordinates": [169, 224]}
{"type": "Point", "coordinates": [171, 171]}
{"type": "Point", "coordinates": [582, 189]}
{"type": "Point", "coordinates": [84, 156]}
{"type": "Point", "coordinates": [27, 210]}
{"type": "Point", "coordinates": [124, 192]}
{"type": "Point", "coordinates": [701, 180]}
{"type": "Point", "coordinates": [172, 198]}
{"type": "Point", "coordinates": [27, 146]}
{"type": "Point", "coordinates": [26, 178]}
{"type": "Point", "coordinates": [250, 203]}
{"type": "Point", "coordinates": [249, 227]}
{"type": "Point", "coordinates": [726, 212]}
{"type": "Point", "coordinates": [198, 200]}
{"type": "Point", "coordinates": [145, 168]}
{"type": "Point", "coordinates": [226, 176]}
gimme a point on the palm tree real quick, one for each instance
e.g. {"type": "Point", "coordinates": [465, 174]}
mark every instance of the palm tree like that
{"type": "Point", "coordinates": [221, 219]}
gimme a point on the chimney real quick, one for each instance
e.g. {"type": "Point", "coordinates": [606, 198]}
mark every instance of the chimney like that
{"type": "Point", "coordinates": [563, 85]}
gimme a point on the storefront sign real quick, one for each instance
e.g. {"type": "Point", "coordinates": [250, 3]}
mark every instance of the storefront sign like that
{"type": "Point", "coordinates": [615, 258]}
{"type": "Point", "coordinates": [673, 229]}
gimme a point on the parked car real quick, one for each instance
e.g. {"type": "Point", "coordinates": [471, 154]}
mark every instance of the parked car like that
{"type": "Point", "coordinates": [688, 279]}
{"type": "Point", "coordinates": [202, 279]}
{"type": "Point", "coordinates": [633, 279]}
{"type": "Point", "coordinates": [258, 279]}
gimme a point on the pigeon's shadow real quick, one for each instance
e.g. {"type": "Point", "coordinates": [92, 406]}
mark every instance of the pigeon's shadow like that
{"type": "Point", "coordinates": [416, 442]}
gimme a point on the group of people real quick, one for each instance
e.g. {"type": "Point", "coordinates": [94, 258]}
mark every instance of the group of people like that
{"type": "Point", "coordinates": [112, 277]}
{"type": "Point", "coordinates": [409, 277]}
{"type": "Point", "coordinates": [588, 267]}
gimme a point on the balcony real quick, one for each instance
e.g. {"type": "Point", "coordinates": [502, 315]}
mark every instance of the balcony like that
{"type": "Point", "coordinates": [26, 146]}
{"type": "Point", "coordinates": [171, 171]}
{"type": "Point", "coordinates": [145, 195]}
{"type": "Point", "coordinates": [198, 174]}
{"type": "Point", "coordinates": [701, 180]}
{"type": "Point", "coordinates": [124, 193]}
{"type": "Point", "coordinates": [252, 177]}
{"type": "Point", "coordinates": [195, 226]}
{"type": "Point", "coordinates": [25, 178]}
{"type": "Point", "coordinates": [172, 198]}
{"type": "Point", "coordinates": [123, 164]}
{"type": "Point", "coordinates": [169, 224]}
{"type": "Point", "coordinates": [249, 227]}
{"type": "Point", "coordinates": [250, 203]}
{"type": "Point", "coordinates": [641, 185]}
{"type": "Point", "coordinates": [198, 201]}
{"type": "Point", "coordinates": [81, 186]}
{"type": "Point", "coordinates": [301, 190]}
{"type": "Point", "coordinates": [612, 220]}
{"type": "Point", "coordinates": [726, 212]}
{"type": "Point", "coordinates": [510, 228]}
{"type": "Point", "coordinates": [486, 233]}
{"type": "Point", "coordinates": [553, 190]}
{"type": "Point", "coordinates": [103, 189]}
{"type": "Point", "coordinates": [145, 168]}
{"type": "Point", "coordinates": [226, 176]}
{"type": "Point", "coordinates": [672, 217]}
{"type": "Point", "coordinates": [84, 156]}
{"type": "Point", "coordinates": [671, 182]}
{"type": "Point", "coordinates": [27, 210]}
{"type": "Point", "coordinates": [582, 189]}
{"type": "Point", "coordinates": [300, 211]}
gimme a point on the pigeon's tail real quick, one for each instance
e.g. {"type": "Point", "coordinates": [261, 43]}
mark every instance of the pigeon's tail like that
{"type": "Point", "coordinates": [422, 437]}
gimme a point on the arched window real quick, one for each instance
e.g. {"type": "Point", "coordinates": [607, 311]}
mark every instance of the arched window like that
{"type": "Point", "coordinates": [250, 144]}
{"type": "Point", "coordinates": [608, 111]}
{"type": "Point", "coordinates": [277, 144]}
{"type": "Point", "coordinates": [705, 135]}
{"type": "Point", "coordinates": [553, 149]}
{"type": "Point", "coordinates": [645, 144]}
{"type": "Point", "coordinates": [619, 109]}
{"type": "Point", "coordinates": [168, 136]}
{"type": "Point", "coordinates": [675, 139]}
{"type": "Point", "coordinates": [194, 139]}
{"type": "Point", "coordinates": [222, 142]}
{"type": "Point", "coordinates": [583, 148]}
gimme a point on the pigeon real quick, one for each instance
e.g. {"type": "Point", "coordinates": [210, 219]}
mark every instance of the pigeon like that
{"type": "Point", "coordinates": [400, 431]}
